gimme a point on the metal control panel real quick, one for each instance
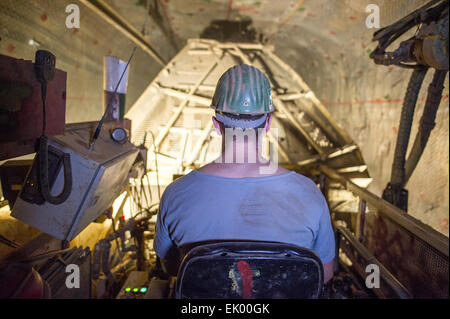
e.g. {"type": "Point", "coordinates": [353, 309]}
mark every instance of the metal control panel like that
{"type": "Point", "coordinates": [98, 175]}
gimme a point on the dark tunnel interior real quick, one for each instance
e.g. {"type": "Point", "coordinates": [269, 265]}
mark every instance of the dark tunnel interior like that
{"type": "Point", "coordinates": [220, 149]}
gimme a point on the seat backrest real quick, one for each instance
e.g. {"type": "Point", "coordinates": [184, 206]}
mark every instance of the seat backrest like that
{"type": "Point", "coordinates": [256, 270]}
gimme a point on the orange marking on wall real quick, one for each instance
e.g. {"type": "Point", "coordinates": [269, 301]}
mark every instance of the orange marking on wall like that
{"type": "Point", "coordinates": [377, 101]}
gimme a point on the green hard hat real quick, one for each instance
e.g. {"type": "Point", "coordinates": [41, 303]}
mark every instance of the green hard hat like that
{"type": "Point", "coordinates": [243, 89]}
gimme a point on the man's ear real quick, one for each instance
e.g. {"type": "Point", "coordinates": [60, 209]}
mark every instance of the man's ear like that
{"type": "Point", "coordinates": [217, 125]}
{"type": "Point", "coordinates": [268, 122]}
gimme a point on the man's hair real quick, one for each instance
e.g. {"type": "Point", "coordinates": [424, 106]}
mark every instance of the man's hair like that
{"type": "Point", "coordinates": [242, 120]}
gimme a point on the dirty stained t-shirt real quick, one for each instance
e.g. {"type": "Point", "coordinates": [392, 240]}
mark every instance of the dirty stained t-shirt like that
{"type": "Point", "coordinates": [287, 208]}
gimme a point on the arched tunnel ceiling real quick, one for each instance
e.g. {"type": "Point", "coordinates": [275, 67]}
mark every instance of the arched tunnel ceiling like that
{"type": "Point", "coordinates": [324, 41]}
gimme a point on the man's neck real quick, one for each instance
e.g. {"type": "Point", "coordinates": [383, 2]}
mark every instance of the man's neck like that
{"type": "Point", "coordinates": [236, 170]}
{"type": "Point", "coordinates": [241, 153]}
{"type": "Point", "coordinates": [234, 166]}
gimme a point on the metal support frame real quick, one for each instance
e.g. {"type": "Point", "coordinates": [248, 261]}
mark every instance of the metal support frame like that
{"type": "Point", "coordinates": [385, 274]}
{"type": "Point", "coordinates": [198, 147]}
{"type": "Point", "coordinates": [281, 149]}
{"type": "Point", "coordinates": [417, 228]}
{"type": "Point", "coordinates": [177, 114]}
{"type": "Point", "coordinates": [280, 105]}
{"type": "Point", "coordinates": [183, 95]}
{"type": "Point", "coordinates": [310, 95]}
{"type": "Point", "coordinates": [328, 155]}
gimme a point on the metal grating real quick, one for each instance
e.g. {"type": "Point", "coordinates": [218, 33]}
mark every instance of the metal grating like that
{"type": "Point", "coordinates": [415, 263]}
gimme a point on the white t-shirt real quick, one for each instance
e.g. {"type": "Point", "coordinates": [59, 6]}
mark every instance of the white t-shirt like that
{"type": "Point", "coordinates": [287, 208]}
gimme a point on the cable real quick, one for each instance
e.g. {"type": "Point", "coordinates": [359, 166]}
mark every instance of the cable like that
{"type": "Point", "coordinates": [44, 255]}
{"type": "Point", "coordinates": [138, 201]}
{"type": "Point", "coordinates": [139, 194]}
{"type": "Point", "coordinates": [142, 190]}
{"type": "Point", "coordinates": [44, 69]}
{"type": "Point", "coordinates": [149, 188]}
{"type": "Point", "coordinates": [406, 118]}
{"type": "Point", "coordinates": [116, 239]}
{"type": "Point", "coordinates": [44, 108]}
{"type": "Point", "coordinates": [156, 164]}
{"type": "Point", "coordinates": [8, 242]}
{"type": "Point", "coordinates": [426, 122]}
{"type": "Point", "coordinates": [44, 182]}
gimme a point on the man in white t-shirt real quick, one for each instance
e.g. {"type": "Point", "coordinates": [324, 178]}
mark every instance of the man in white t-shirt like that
{"type": "Point", "coordinates": [241, 196]}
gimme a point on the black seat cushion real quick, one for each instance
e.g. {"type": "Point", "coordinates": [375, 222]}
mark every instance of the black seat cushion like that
{"type": "Point", "coordinates": [257, 270]}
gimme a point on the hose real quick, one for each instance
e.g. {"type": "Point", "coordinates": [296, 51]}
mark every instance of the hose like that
{"type": "Point", "coordinates": [426, 122]}
{"type": "Point", "coordinates": [404, 131]}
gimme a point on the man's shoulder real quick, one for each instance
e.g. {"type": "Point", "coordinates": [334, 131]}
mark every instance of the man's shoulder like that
{"type": "Point", "coordinates": [186, 183]}
{"type": "Point", "coordinates": [178, 184]}
{"type": "Point", "coordinates": [303, 180]}
{"type": "Point", "coordinates": [307, 187]}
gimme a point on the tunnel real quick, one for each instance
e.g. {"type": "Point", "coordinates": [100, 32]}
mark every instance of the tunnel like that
{"type": "Point", "coordinates": [115, 118]}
